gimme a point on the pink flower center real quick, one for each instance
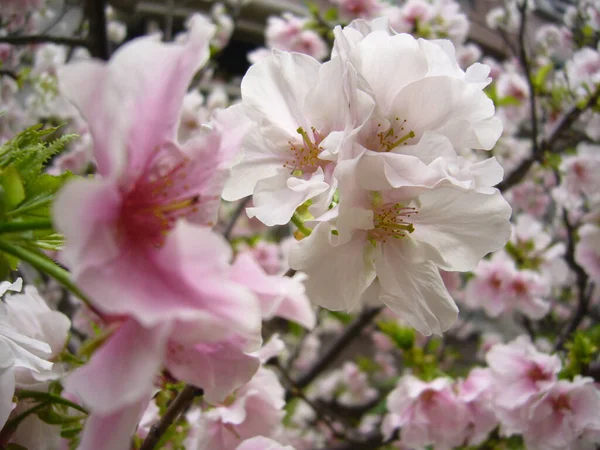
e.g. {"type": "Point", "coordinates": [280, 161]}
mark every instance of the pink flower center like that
{"type": "Point", "coordinates": [390, 220]}
{"type": "Point", "coordinates": [561, 403]}
{"type": "Point", "coordinates": [150, 209]}
{"type": "Point", "coordinates": [536, 373]}
{"type": "Point", "coordinates": [305, 156]}
{"type": "Point", "coordinates": [520, 287]}
{"type": "Point", "coordinates": [428, 396]}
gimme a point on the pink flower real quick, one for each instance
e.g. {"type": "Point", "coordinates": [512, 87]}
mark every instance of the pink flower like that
{"type": "Point", "coordinates": [289, 33]}
{"type": "Point", "coordinates": [126, 246]}
{"type": "Point", "coordinates": [476, 392]}
{"type": "Point", "coordinates": [262, 443]}
{"type": "Point", "coordinates": [587, 252]}
{"type": "Point", "coordinates": [566, 417]}
{"type": "Point", "coordinates": [427, 414]}
{"type": "Point", "coordinates": [499, 288]}
{"type": "Point", "coordinates": [280, 296]}
{"type": "Point", "coordinates": [364, 9]}
{"type": "Point", "coordinates": [520, 373]}
{"type": "Point", "coordinates": [256, 409]}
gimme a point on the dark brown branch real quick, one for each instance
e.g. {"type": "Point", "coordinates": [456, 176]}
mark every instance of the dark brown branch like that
{"type": "Point", "coordinates": [373, 441]}
{"type": "Point", "coordinates": [321, 415]}
{"type": "Point", "coordinates": [549, 144]}
{"type": "Point", "coordinates": [584, 295]}
{"type": "Point", "coordinates": [181, 403]}
{"type": "Point", "coordinates": [328, 357]}
{"type": "Point", "coordinates": [39, 39]}
{"type": "Point", "coordinates": [95, 11]}
{"type": "Point", "coordinates": [9, 73]}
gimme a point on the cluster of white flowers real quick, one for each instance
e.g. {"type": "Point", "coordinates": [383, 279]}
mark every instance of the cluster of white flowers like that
{"type": "Point", "coordinates": [366, 147]}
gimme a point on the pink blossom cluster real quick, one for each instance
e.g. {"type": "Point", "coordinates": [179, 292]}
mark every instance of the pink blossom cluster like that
{"type": "Point", "coordinates": [291, 33]}
{"type": "Point", "coordinates": [519, 392]}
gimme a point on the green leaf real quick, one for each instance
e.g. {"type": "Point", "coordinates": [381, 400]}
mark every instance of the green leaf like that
{"type": "Point", "coordinates": [13, 189]}
{"type": "Point", "coordinates": [540, 77]}
{"type": "Point", "coordinates": [331, 15]}
{"type": "Point", "coordinates": [403, 337]}
{"type": "Point", "coordinates": [70, 433]}
{"type": "Point", "coordinates": [509, 100]}
{"type": "Point", "coordinates": [342, 317]}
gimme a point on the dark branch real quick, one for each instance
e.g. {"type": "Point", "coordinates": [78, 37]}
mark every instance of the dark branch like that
{"type": "Point", "coordinates": [9, 73]}
{"type": "Point", "coordinates": [550, 144]}
{"type": "Point", "coordinates": [328, 357]}
{"type": "Point", "coordinates": [181, 403]}
{"type": "Point", "coordinates": [39, 39]}
{"type": "Point", "coordinates": [97, 38]}
{"type": "Point", "coordinates": [321, 415]}
{"type": "Point", "coordinates": [584, 296]}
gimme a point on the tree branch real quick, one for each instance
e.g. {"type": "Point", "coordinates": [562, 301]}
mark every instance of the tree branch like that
{"type": "Point", "coordinates": [95, 11]}
{"type": "Point", "coordinates": [325, 419]}
{"type": "Point", "coordinates": [181, 403]}
{"type": "Point", "coordinates": [584, 297]}
{"type": "Point", "coordinates": [329, 356]}
{"type": "Point", "coordinates": [38, 39]}
{"type": "Point", "coordinates": [517, 175]}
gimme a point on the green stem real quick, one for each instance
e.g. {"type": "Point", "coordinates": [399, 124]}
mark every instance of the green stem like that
{"type": "Point", "coordinates": [50, 398]}
{"type": "Point", "coordinates": [296, 220]}
{"type": "Point", "coordinates": [29, 207]}
{"type": "Point", "coordinates": [35, 224]}
{"type": "Point", "coordinates": [43, 264]}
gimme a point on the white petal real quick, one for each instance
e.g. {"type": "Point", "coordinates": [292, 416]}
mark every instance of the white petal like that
{"type": "Point", "coordinates": [414, 291]}
{"type": "Point", "coordinates": [276, 87]}
{"type": "Point", "coordinates": [276, 198]}
{"type": "Point", "coordinates": [337, 275]}
{"type": "Point", "coordinates": [456, 229]}
{"type": "Point", "coordinates": [7, 383]}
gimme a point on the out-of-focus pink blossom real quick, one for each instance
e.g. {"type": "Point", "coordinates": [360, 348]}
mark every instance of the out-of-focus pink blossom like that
{"type": "Point", "coordinates": [565, 417]}
{"type": "Point", "coordinates": [520, 374]}
{"type": "Point", "coordinates": [587, 252]}
{"type": "Point", "coordinates": [289, 33]}
{"type": "Point", "coordinates": [256, 409]}
{"type": "Point", "coordinates": [363, 9]}
{"type": "Point", "coordinates": [262, 443]}
{"type": "Point", "coordinates": [476, 392]}
{"type": "Point", "coordinates": [427, 414]}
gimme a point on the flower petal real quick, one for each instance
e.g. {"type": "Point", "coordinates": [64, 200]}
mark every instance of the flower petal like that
{"type": "Point", "coordinates": [455, 229]}
{"type": "Point", "coordinates": [414, 291]}
{"type": "Point", "coordinates": [120, 374]}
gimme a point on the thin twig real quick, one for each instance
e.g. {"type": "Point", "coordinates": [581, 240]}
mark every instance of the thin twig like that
{"type": "Point", "coordinates": [169, 20]}
{"type": "Point", "coordinates": [181, 403]}
{"type": "Point", "coordinates": [9, 73]}
{"type": "Point", "coordinates": [235, 216]}
{"type": "Point", "coordinates": [38, 39]}
{"type": "Point", "coordinates": [298, 393]}
{"type": "Point", "coordinates": [329, 356]}
{"type": "Point", "coordinates": [584, 296]}
{"type": "Point", "coordinates": [517, 175]}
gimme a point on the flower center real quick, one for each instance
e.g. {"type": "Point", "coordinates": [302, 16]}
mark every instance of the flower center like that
{"type": "Point", "coordinates": [159, 197]}
{"type": "Point", "coordinates": [390, 220]}
{"type": "Point", "coordinates": [561, 403]}
{"type": "Point", "coordinates": [393, 137]}
{"type": "Point", "coordinates": [305, 156]}
{"type": "Point", "coordinates": [535, 374]}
